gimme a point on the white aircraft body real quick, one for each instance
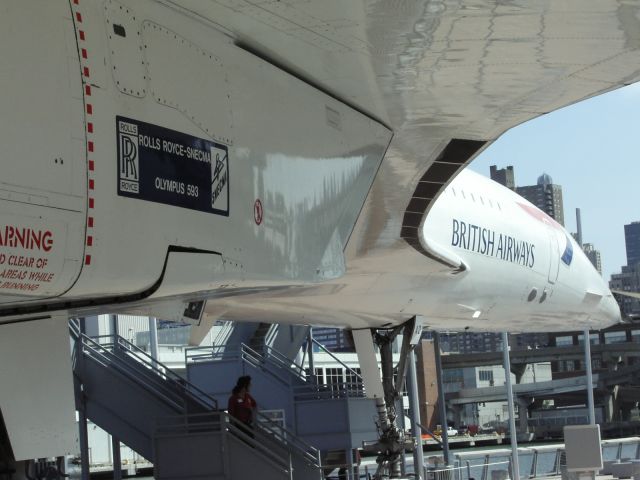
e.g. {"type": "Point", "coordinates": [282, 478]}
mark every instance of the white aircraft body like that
{"type": "Point", "coordinates": [287, 161]}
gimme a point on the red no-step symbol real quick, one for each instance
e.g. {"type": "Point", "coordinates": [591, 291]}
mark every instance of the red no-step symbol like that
{"type": "Point", "coordinates": [258, 212]}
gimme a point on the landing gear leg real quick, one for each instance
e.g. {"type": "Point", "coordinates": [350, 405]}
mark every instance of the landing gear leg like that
{"type": "Point", "coordinates": [390, 445]}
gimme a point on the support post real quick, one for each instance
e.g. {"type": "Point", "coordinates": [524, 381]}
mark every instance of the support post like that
{"type": "Point", "coordinates": [114, 325]}
{"type": "Point", "coordinates": [412, 384]}
{"type": "Point", "coordinates": [117, 460]}
{"type": "Point", "coordinates": [312, 366]}
{"type": "Point", "coordinates": [84, 441]}
{"type": "Point", "coordinates": [589, 375]}
{"type": "Point", "coordinates": [153, 338]}
{"type": "Point", "coordinates": [83, 434]}
{"type": "Point", "coordinates": [515, 464]}
{"type": "Point", "coordinates": [442, 407]}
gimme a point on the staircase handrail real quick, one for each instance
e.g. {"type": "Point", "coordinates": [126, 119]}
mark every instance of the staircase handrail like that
{"type": "Point", "coordinates": [310, 453]}
{"type": "Point", "coordinates": [190, 389]}
{"type": "Point", "coordinates": [334, 357]}
{"type": "Point", "coordinates": [109, 359]}
{"type": "Point", "coordinates": [313, 391]}
{"type": "Point", "coordinates": [224, 423]}
{"type": "Point", "coordinates": [161, 369]}
{"type": "Point", "coordinates": [74, 329]}
{"type": "Point", "coordinates": [223, 333]}
{"type": "Point", "coordinates": [258, 360]}
{"type": "Point", "coordinates": [285, 362]}
{"type": "Point", "coordinates": [215, 351]}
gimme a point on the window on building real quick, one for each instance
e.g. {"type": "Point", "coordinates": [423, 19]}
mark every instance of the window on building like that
{"type": "Point", "coordinates": [564, 341]}
{"type": "Point", "coordinates": [594, 339]}
{"type": "Point", "coordinates": [452, 375]}
{"type": "Point", "coordinates": [320, 375]}
{"type": "Point", "coordinates": [334, 376]}
{"type": "Point", "coordinates": [615, 337]}
{"type": "Point", "coordinates": [353, 379]}
{"type": "Point", "coordinates": [485, 375]}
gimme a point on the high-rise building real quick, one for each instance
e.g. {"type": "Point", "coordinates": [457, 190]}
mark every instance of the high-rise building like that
{"type": "Point", "coordinates": [632, 241]}
{"type": "Point", "coordinates": [593, 255]}
{"type": "Point", "coordinates": [546, 196]}
{"type": "Point", "coordinates": [628, 280]}
{"type": "Point", "coordinates": [503, 176]}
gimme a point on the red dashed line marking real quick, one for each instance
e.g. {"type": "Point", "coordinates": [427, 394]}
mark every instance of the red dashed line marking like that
{"type": "Point", "coordinates": [84, 54]}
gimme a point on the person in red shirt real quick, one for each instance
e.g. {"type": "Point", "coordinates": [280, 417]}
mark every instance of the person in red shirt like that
{"type": "Point", "coordinates": [242, 406]}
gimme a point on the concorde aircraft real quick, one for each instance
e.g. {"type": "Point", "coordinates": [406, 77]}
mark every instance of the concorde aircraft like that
{"type": "Point", "coordinates": [289, 161]}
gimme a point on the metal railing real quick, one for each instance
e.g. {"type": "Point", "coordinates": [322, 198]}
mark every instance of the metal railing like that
{"type": "Point", "coordinates": [307, 452]}
{"type": "Point", "coordinates": [223, 333]}
{"type": "Point", "coordinates": [315, 391]}
{"type": "Point", "coordinates": [273, 363]}
{"type": "Point", "coordinates": [223, 424]}
{"type": "Point", "coordinates": [537, 461]}
{"type": "Point", "coordinates": [107, 349]}
{"type": "Point", "coordinates": [340, 362]}
{"type": "Point", "coordinates": [274, 356]}
{"type": "Point", "coordinates": [267, 438]}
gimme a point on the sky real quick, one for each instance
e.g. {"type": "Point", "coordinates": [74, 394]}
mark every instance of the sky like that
{"type": "Point", "coordinates": [591, 149]}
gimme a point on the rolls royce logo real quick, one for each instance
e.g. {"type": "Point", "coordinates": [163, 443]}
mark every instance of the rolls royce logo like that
{"type": "Point", "coordinates": [129, 165]}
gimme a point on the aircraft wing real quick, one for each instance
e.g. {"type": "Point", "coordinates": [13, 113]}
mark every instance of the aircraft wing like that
{"type": "Point", "coordinates": [448, 77]}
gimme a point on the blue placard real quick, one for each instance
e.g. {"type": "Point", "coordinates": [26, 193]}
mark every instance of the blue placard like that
{"type": "Point", "coordinates": [164, 166]}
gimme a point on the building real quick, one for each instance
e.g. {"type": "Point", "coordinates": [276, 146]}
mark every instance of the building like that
{"type": "Point", "coordinates": [334, 339]}
{"type": "Point", "coordinates": [470, 342]}
{"type": "Point", "coordinates": [546, 196]}
{"type": "Point", "coordinates": [504, 176]}
{"type": "Point", "coordinates": [593, 255]}
{"type": "Point", "coordinates": [632, 241]}
{"type": "Point", "coordinates": [628, 280]}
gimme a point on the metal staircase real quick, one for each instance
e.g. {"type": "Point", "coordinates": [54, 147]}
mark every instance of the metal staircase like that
{"type": "Point", "coordinates": [168, 420]}
{"type": "Point", "coordinates": [328, 416]}
{"type": "Point", "coordinates": [124, 390]}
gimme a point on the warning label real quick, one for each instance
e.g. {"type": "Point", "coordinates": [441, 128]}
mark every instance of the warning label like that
{"type": "Point", "coordinates": [164, 166]}
{"type": "Point", "coordinates": [28, 260]}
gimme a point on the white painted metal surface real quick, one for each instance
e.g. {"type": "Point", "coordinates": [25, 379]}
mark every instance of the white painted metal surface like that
{"type": "Point", "coordinates": [36, 388]}
{"type": "Point", "coordinates": [214, 174]}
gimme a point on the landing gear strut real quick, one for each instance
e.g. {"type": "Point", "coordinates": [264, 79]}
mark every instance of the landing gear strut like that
{"type": "Point", "coordinates": [390, 445]}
